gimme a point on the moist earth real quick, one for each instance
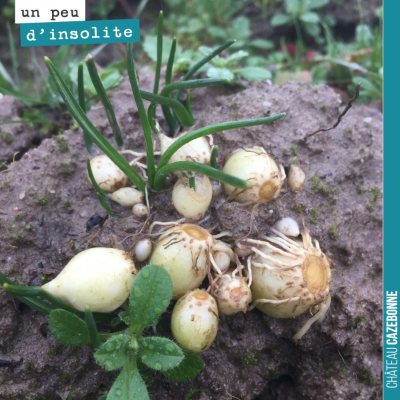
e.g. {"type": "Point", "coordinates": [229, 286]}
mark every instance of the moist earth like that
{"type": "Point", "coordinates": [46, 200]}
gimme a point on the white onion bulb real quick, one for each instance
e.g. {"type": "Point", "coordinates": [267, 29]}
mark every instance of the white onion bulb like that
{"type": "Point", "coordinates": [190, 203]}
{"type": "Point", "coordinates": [184, 251]}
{"type": "Point", "coordinates": [100, 278]}
{"type": "Point", "coordinates": [289, 282]}
{"type": "Point", "coordinates": [296, 178]}
{"type": "Point", "coordinates": [288, 226]}
{"type": "Point", "coordinates": [127, 196]}
{"type": "Point", "coordinates": [140, 210]}
{"type": "Point", "coordinates": [194, 321]}
{"type": "Point", "coordinates": [143, 249]}
{"type": "Point", "coordinates": [107, 175]}
{"type": "Point", "coordinates": [232, 294]}
{"type": "Point", "coordinates": [197, 150]}
{"type": "Point", "coordinates": [260, 169]}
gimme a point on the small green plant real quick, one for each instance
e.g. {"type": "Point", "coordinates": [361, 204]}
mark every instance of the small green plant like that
{"type": "Point", "coordinates": [343, 371]}
{"type": "Point", "coordinates": [250, 358]}
{"type": "Point", "coordinates": [301, 14]}
{"type": "Point", "coordinates": [42, 201]}
{"type": "Point", "coordinates": [129, 348]}
{"type": "Point", "coordinates": [63, 144]}
{"type": "Point", "coordinates": [6, 136]}
{"type": "Point", "coordinates": [363, 317]}
{"type": "Point", "coordinates": [225, 67]}
{"type": "Point", "coordinates": [30, 364]}
{"type": "Point", "coordinates": [375, 195]}
{"type": "Point", "coordinates": [368, 378]}
{"type": "Point", "coordinates": [317, 187]}
{"type": "Point", "coordinates": [66, 204]}
{"type": "Point", "coordinates": [314, 218]}
{"type": "Point", "coordinates": [333, 230]}
{"type": "Point", "coordinates": [18, 217]}
{"type": "Point", "coordinates": [68, 169]}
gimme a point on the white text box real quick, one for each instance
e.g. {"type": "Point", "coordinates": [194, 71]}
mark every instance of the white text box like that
{"type": "Point", "coordinates": [29, 11]}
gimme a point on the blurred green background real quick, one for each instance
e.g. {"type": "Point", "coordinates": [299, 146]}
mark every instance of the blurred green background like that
{"type": "Point", "coordinates": [337, 42]}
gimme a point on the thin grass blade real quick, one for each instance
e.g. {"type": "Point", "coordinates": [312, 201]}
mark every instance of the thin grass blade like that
{"type": "Point", "coordinates": [188, 104]}
{"type": "Point", "coordinates": [82, 103]}
{"type": "Point", "coordinates": [94, 183]}
{"type": "Point", "coordinates": [159, 52]}
{"type": "Point", "coordinates": [213, 158]}
{"type": "Point", "coordinates": [94, 76]}
{"type": "Point", "coordinates": [208, 130]}
{"type": "Point", "coordinates": [92, 329]}
{"type": "Point", "coordinates": [178, 107]}
{"type": "Point", "coordinates": [140, 8]}
{"type": "Point", "coordinates": [6, 75]}
{"type": "Point", "coordinates": [14, 59]}
{"type": "Point", "coordinates": [33, 302]}
{"type": "Point", "coordinates": [202, 62]}
{"type": "Point", "coordinates": [170, 64]}
{"type": "Point", "coordinates": [151, 114]}
{"type": "Point", "coordinates": [196, 83]}
{"type": "Point", "coordinates": [213, 173]}
{"type": "Point", "coordinates": [105, 205]}
{"type": "Point", "coordinates": [88, 127]}
{"type": "Point", "coordinates": [151, 169]}
{"type": "Point", "coordinates": [16, 290]}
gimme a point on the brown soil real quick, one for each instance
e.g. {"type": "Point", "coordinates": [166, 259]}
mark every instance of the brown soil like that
{"type": "Point", "coordinates": [253, 356]}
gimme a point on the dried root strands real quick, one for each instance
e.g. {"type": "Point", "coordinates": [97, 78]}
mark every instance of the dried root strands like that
{"type": "Point", "coordinates": [259, 168]}
{"type": "Point", "coordinates": [323, 308]}
{"type": "Point", "coordinates": [107, 175]}
{"type": "Point", "coordinates": [289, 276]}
{"type": "Point", "coordinates": [127, 196]}
{"type": "Point", "coordinates": [192, 203]}
{"type": "Point", "coordinates": [194, 321]}
{"type": "Point", "coordinates": [197, 150]}
{"type": "Point", "coordinates": [296, 178]}
{"type": "Point", "coordinates": [184, 251]}
{"type": "Point", "coordinates": [232, 294]}
{"type": "Point", "coordinates": [100, 278]}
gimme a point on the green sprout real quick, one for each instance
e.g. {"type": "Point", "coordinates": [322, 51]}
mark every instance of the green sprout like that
{"type": "Point", "coordinates": [175, 114]}
{"type": "Point", "coordinates": [129, 348]}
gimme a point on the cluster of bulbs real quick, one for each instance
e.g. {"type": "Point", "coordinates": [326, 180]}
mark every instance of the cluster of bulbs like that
{"type": "Point", "coordinates": [284, 274]}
